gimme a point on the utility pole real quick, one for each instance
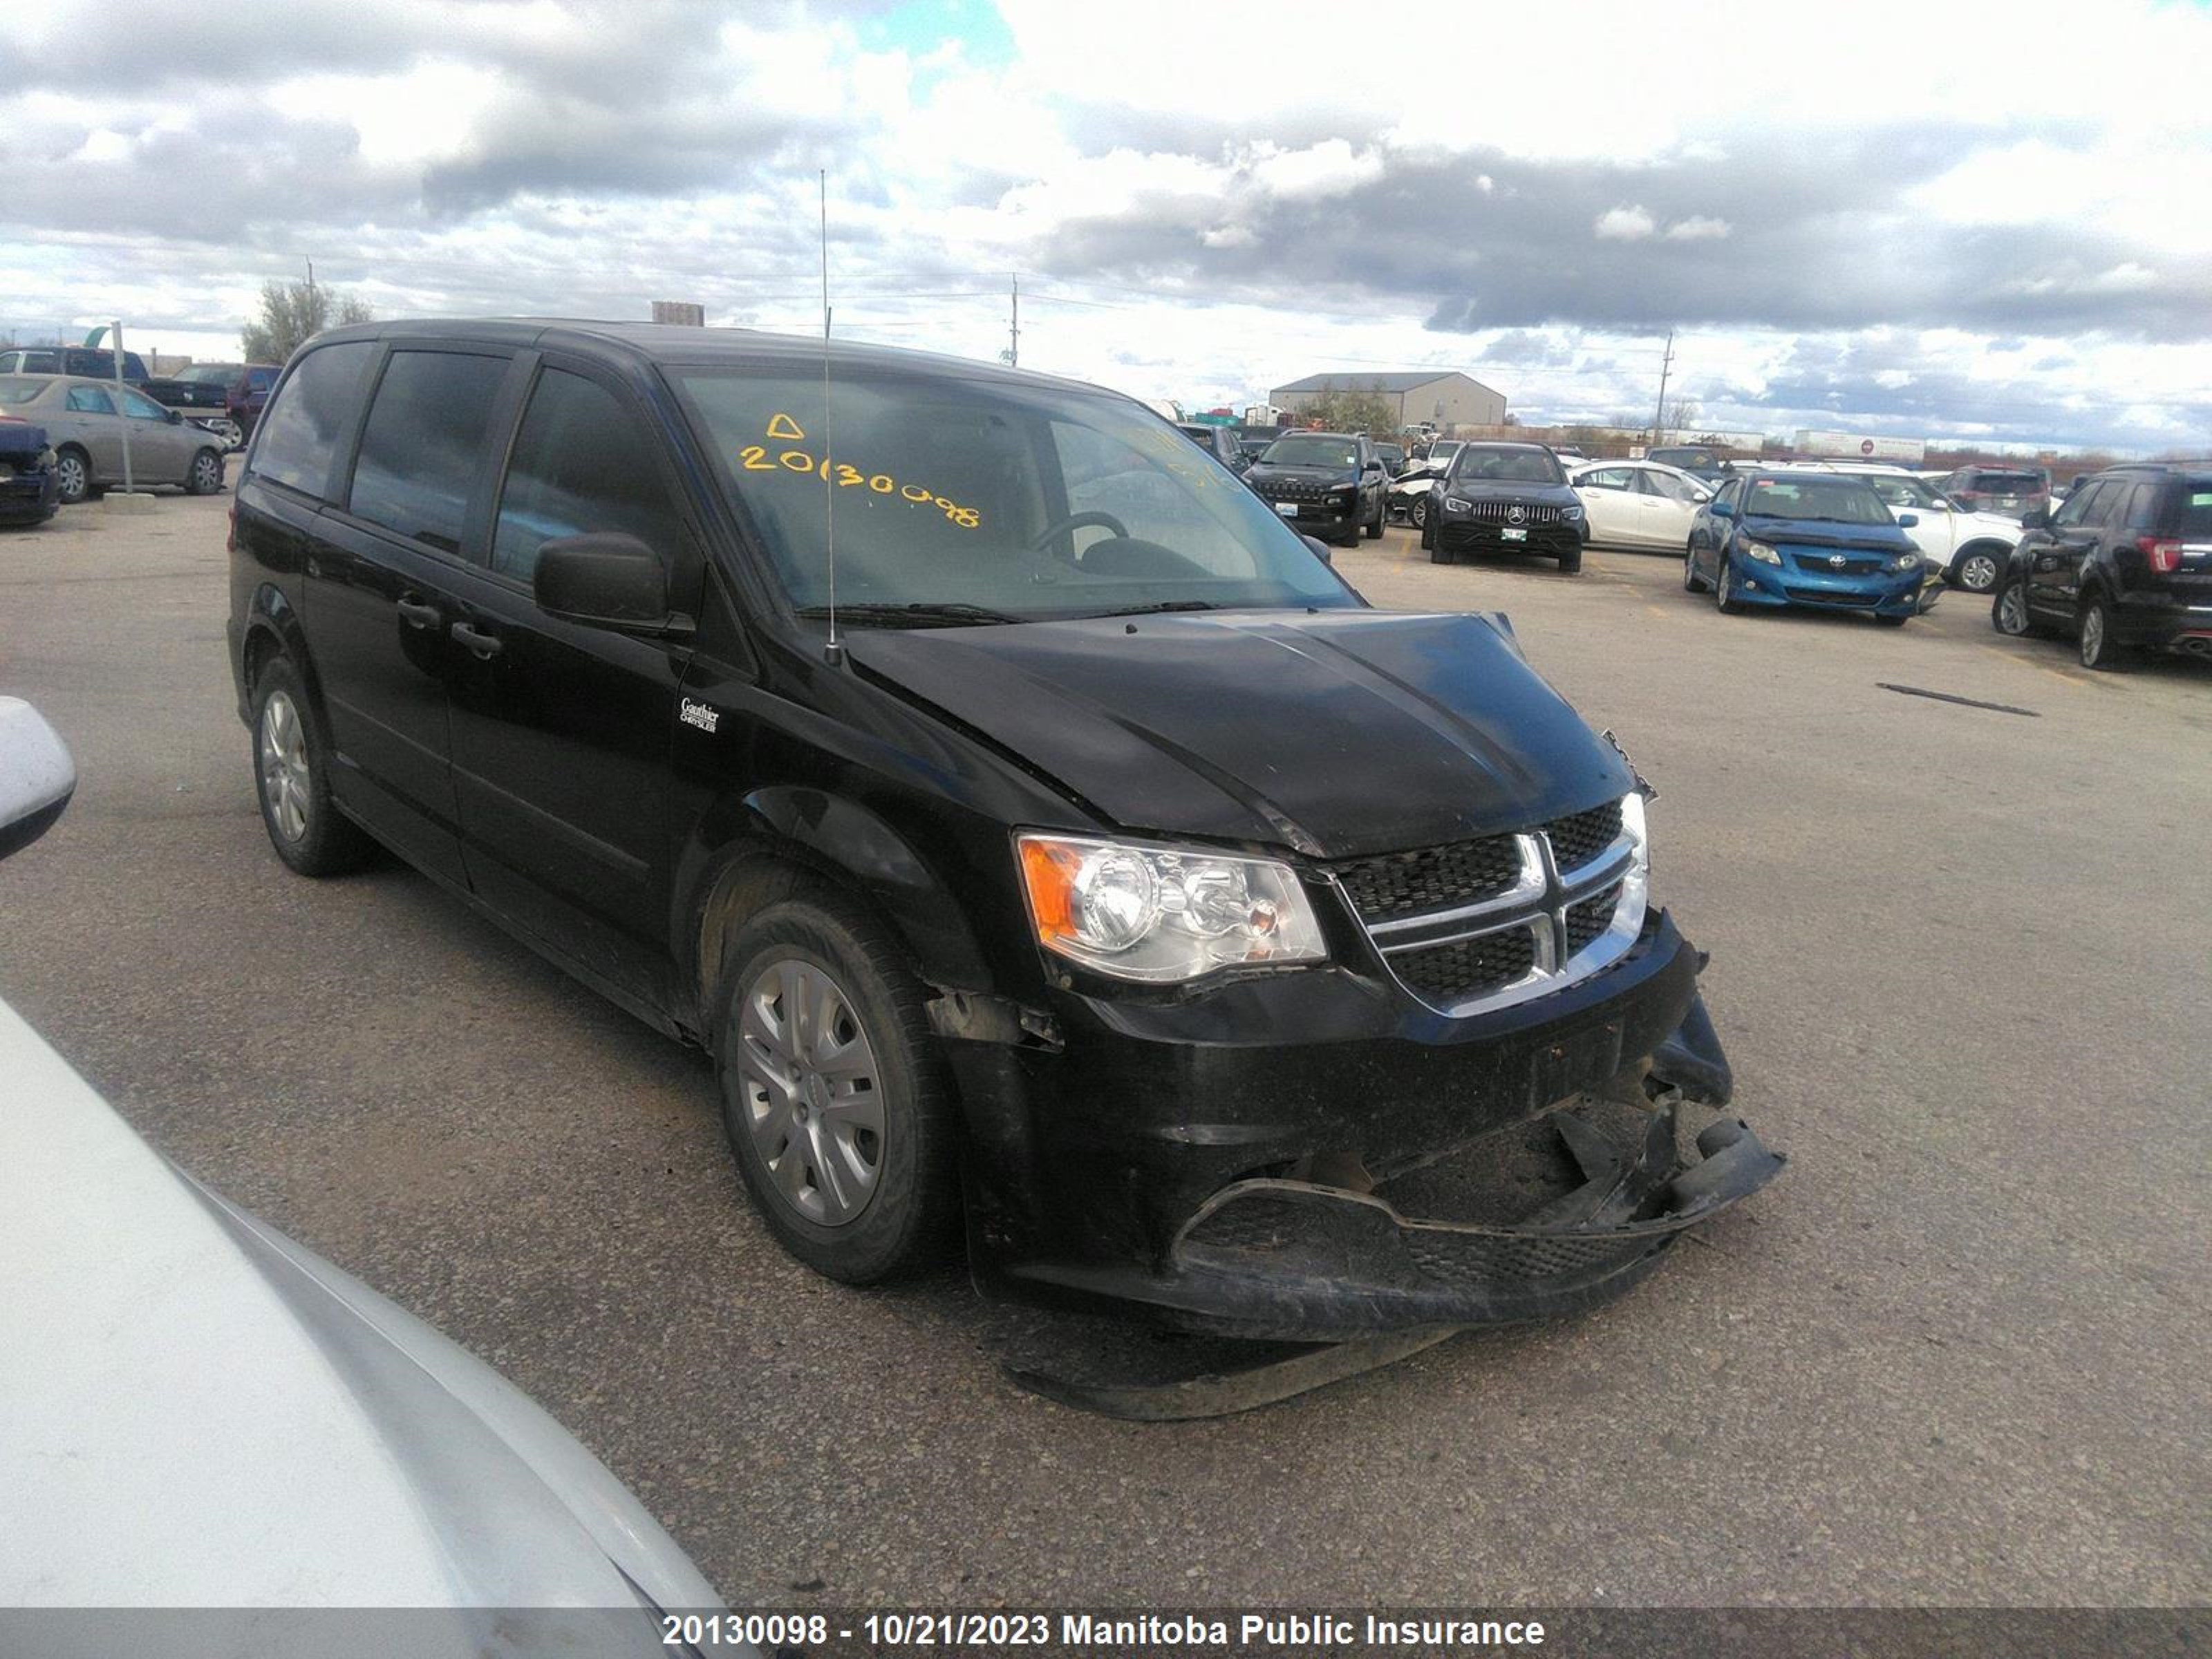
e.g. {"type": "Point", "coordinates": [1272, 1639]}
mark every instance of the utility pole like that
{"type": "Point", "coordinates": [1014, 329]}
{"type": "Point", "coordinates": [310, 276]}
{"type": "Point", "coordinates": [1659, 416]}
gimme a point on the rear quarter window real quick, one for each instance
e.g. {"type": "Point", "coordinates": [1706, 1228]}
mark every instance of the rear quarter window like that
{"type": "Point", "coordinates": [298, 435]}
{"type": "Point", "coordinates": [2194, 521]}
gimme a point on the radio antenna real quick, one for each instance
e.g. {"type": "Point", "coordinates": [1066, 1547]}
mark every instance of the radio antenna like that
{"type": "Point", "coordinates": [834, 652]}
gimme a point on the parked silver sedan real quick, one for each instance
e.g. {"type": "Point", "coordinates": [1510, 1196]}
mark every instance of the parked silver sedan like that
{"type": "Point", "coordinates": [85, 420]}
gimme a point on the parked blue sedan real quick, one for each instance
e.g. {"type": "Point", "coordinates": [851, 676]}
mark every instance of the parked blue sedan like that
{"type": "Point", "coordinates": [1790, 537]}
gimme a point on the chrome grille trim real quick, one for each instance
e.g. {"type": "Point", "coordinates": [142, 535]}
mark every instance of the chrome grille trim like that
{"type": "Point", "coordinates": [1539, 902]}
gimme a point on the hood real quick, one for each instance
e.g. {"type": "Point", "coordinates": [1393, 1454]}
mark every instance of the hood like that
{"type": "Point", "coordinates": [22, 439]}
{"type": "Point", "coordinates": [1988, 524]}
{"type": "Point", "coordinates": [1265, 469]}
{"type": "Point", "coordinates": [1336, 733]}
{"type": "Point", "coordinates": [212, 1416]}
{"type": "Point", "coordinates": [1513, 489]}
{"type": "Point", "coordinates": [1810, 532]}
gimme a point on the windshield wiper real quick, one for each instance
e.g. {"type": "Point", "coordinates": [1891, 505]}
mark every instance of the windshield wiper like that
{"type": "Point", "coordinates": [918, 615]}
{"type": "Point", "coordinates": [1155, 609]}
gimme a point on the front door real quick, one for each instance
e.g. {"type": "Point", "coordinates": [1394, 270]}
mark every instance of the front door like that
{"type": "Point", "coordinates": [563, 732]}
{"type": "Point", "coordinates": [160, 452]}
{"type": "Point", "coordinates": [380, 599]}
{"type": "Point", "coordinates": [2054, 565]}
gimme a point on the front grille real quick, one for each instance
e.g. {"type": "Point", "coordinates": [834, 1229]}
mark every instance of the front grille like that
{"type": "Point", "coordinates": [1827, 596]}
{"type": "Point", "coordinates": [1510, 513]}
{"type": "Point", "coordinates": [1432, 879]}
{"type": "Point", "coordinates": [1468, 967]}
{"type": "Point", "coordinates": [1822, 564]}
{"type": "Point", "coordinates": [1297, 490]}
{"type": "Point", "coordinates": [1588, 920]}
{"type": "Point", "coordinates": [1470, 1259]}
{"type": "Point", "coordinates": [1577, 840]}
{"type": "Point", "coordinates": [1456, 536]}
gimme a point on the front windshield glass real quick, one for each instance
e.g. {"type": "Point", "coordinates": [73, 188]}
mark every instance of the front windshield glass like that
{"type": "Point", "coordinates": [1837, 500]}
{"type": "Point", "coordinates": [952, 490]}
{"type": "Point", "coordinates": [1312, 449]}
{"type": "Point", "coordinates": [1495, 464]}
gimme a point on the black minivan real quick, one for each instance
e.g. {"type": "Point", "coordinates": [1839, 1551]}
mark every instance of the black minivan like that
{"type": "Point", "coordinates": [1033, 828]}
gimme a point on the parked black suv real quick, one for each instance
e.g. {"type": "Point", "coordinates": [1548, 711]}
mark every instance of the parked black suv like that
{"type": "Point", "coordinates": [1505, 498]}
{"type": "Point", "coordinates": [2125, 564]}
{"type": "Point", "coordinates": [1104, 870]}
{"type": "Point", "coordinates": [1329, 484]}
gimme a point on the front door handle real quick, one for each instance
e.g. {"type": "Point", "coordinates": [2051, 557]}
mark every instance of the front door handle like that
{"type": "Point", "coordinates": [486, 645]}
{"type": "Point", "coordinates": [418, 614]}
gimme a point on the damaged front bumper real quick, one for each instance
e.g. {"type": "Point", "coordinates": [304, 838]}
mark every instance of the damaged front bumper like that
{"type": "Point", "coordinates": [1373, 1219]}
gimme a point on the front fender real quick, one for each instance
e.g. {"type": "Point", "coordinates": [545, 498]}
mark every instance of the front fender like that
{"type": "Point", "coordinates": [848, 842]}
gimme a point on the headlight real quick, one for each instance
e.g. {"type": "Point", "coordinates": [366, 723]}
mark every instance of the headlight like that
{"type": "Point", "coordinates": [1160, 914]}
{"type": "Point", "coordinates": [1905, 562]}
{"type": "Point", "coordinates": [1760, 551]}
{"type": "Point", "coordinates": [1454, 504]}
{"type": "Point", "coordinates": [1570, 513]}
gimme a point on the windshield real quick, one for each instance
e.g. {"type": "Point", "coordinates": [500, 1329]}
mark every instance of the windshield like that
{"type": "Point", "coordinates": [1313, 449]}
{"type": "Point", "coordinates": [1838, 501]}
{"type": "Point", "coordinates": [1494, 464]}
{"type": "Point", "coordinates": [205, 372]}
{"type": "Point", "coordinates": [1031, 501]}
{"type": "Point", "coordinates": [22, 391]}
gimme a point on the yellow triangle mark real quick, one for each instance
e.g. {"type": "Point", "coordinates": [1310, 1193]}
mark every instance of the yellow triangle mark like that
{"type": "Point", "coordinates": [782, 426]}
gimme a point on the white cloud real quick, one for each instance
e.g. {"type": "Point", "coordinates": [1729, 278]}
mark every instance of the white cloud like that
{"type": "Point", "coordinates": [1623, 224]}
{"type": "Point", "coordinates": [1698, 228]}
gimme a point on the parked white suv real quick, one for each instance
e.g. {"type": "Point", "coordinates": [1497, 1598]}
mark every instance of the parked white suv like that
{"type": "Point", "coordinates": [1969, 548]}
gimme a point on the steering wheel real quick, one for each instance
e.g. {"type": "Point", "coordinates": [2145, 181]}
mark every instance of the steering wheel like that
{"type": "Point", "coordinates": [1076, 521]}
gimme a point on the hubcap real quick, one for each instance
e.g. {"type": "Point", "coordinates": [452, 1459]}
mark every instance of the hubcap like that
{"type": "Point", "coordinates": [1978, 575]}
{"type": "Point", "coordinates": [2012, 609]}
{"type": "Point", "coordinates": [284, 775]}
{"type": "Point", "coordinates": [813, 1095]}
{"type": "Point", "coordinates": [204, 471]}
{"type": "Point", "coordinates": [1420, 511]}
{"type": "Point", "coordinates": [2092, 634]}
{"type": "Point", "coordinates": [72, 476]}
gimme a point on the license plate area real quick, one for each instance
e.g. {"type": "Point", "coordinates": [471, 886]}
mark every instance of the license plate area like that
{"type": "Point", "coordinates": [1288, 509]}
{"type": "Point", "coordinates": [1513, 533]}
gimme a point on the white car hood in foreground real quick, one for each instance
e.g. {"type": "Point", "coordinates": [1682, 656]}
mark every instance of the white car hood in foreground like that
{"type": "Point", "coordinates": [196, 1412]}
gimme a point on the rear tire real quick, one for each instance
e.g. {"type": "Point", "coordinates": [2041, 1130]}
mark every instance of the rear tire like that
{"type": "Point", "coordinates": [2099, 650]}
{"type": "Point", "coordinates": [834, 1096]}
{"type": "Point", "coordinates": [73, 479]}
{"type": "Point", "coordinates": [1418, 512]}
{"type": "Point", "coordinates": [292, 779]}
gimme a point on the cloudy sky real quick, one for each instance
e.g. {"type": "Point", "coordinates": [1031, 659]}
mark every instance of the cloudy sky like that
{"type": "Point", "coordinates": [1915, 219]}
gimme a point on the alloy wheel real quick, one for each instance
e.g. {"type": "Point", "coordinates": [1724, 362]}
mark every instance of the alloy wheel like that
{"type": "Point", "coordinates": [812, 1091]}
{"type": "Point", "coordinates": [1977, 572]}
{"type": "Point", "coordinates": [2012, 611]}
{"type": "Point", "coordinates": [70, 478]}
{"type": "Point", "coordinates": [284, 770]}
{"type": "Point", "coordinates": [2092, 636]}
{"type": "Point", "coordinates": [207, 473]}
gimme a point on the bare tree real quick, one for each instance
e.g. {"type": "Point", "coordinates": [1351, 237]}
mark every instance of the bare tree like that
{"type": "Point", "coordinates": [292, 313]}
{"type": "Point", "coordinates": [1681, 414]}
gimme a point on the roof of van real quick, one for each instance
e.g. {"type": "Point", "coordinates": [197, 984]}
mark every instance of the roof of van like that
{"type": "Point", "coordinates": [674, 343]}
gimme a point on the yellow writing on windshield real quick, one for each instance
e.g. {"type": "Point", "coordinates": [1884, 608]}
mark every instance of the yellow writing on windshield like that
{"type": "Point", "coordinates": [803, 463]}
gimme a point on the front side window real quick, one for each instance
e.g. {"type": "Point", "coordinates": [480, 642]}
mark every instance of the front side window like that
{"type": "Point", "coordinates": [420, 447]}
{"type": "Point", "coordinates": [139, 407]}
{"type": "Point", "coordinates": [2076, 510]}
{"type": "Point", "coordinates": [90, 400]}
{"type": "Point", "coordinates": [581, 466]}
{"type": "Point", "coordinates": [295, 439]}
{"type": "Point", "coordinates": [951, 489]}
{"type": "Point", "coordinates": [260, 379]}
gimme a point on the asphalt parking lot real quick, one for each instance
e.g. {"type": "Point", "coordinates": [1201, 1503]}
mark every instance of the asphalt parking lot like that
{"type": "Point", "coordinates": [1955, 1355]}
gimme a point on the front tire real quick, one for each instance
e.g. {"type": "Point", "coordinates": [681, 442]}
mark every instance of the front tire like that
{"type": "Point", "coordinates": [1724, 589]}
{"type": "Point", "coordinates": [1691, 581]}
{"type": "Point", "coordinates": [291, 778]}
{"type": "Point", "coordinates": [1570, 563]}
{"type": "Point", "coordinates": [1374, 526]}
{"type": "Point", "coordinates": [1418, 512]}
{"type": "Point", "coordinates": [72, 475]}
{"type": "Point", "coordinates": [205, 476]}
{"type": "Point", "coordinates": [833, 1095]}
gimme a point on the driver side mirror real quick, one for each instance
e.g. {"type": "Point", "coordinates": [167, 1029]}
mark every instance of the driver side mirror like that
{"type": "Point", "coordinates": [606, 580]}
{"type": "Point", "coordinates": [1720, 509]}
{"type": "Point", "coordinates": [37, 776]}
{"type": "Point", "coordinates": [2036, 518]}
{"type": "Point", "coordinates": [175, 417]}
{"type": "Point", "coordinates": [1908, 521]}
{"type": "Point", "coordinates": [1320, 549]}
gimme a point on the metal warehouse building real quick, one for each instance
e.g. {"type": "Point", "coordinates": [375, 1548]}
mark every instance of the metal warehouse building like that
{"type": "Point", "coordinates": [1448, 400]}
